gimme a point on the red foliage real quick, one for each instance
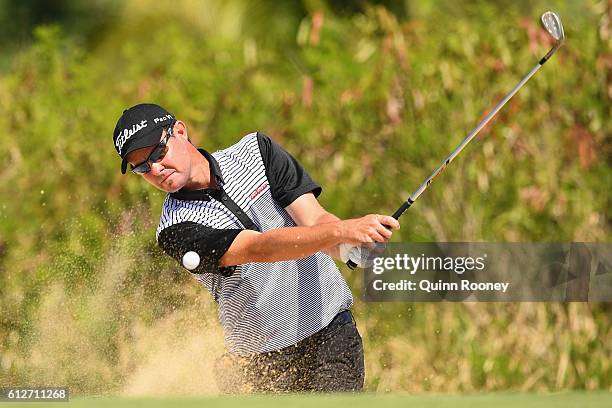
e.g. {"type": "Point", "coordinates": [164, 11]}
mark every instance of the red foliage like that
{"type": "Point", "coordinates": [582, 139]}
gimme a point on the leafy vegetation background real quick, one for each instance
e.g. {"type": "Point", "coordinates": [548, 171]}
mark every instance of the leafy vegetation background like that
{"type": "Point", "coordinates": [370, 97]}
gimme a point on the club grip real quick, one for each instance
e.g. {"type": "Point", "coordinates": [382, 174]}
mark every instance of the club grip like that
{"type": "Point", "coordinates": [405, 205]}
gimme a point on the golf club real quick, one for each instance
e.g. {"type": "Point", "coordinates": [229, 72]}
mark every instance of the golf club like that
{"type": "Point", "coordinates": [552, 24]}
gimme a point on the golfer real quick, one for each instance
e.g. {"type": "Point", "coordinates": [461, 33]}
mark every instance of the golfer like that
{"type": "Point", "coordinates": [250, 212]}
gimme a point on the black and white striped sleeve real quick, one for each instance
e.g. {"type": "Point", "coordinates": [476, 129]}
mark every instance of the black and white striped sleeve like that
{"type": "Point", "coordinates": [288, 179]}
{"type": "Point", "coordinates": [209, 243]}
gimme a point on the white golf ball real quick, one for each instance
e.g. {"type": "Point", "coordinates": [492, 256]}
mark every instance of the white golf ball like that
{"type": "Point", "coordinates": [191, 260]}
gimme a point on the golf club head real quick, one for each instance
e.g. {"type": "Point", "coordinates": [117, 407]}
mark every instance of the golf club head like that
{"type": "Point", "coordinates": [552, 24]}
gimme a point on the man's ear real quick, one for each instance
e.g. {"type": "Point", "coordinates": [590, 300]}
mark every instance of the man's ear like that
{"type": "Point", "coordinates": [180, 130]}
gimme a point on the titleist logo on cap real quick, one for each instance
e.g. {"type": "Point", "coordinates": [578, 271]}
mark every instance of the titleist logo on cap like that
{"type": "Point", "coordinates": [126, 134]}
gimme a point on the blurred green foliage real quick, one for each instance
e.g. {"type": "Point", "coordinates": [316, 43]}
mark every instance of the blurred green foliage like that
{"type": "Point", "coordinates": [370, 101]}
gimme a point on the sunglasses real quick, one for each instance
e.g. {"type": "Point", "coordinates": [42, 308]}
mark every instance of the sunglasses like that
{"type": "Point", "coordinates": [156, 155]}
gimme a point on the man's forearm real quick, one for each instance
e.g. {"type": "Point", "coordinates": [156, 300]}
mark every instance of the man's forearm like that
{"type": "Point", "coordinates": [284, 244]}
{"type": "Point", "coordinates": [327, 217]}
{"type": "Point", "coordinates": [299, 242]}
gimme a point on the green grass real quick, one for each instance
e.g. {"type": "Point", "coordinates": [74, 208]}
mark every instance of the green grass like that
{"type": "Point", "coordinates": [556, 400]}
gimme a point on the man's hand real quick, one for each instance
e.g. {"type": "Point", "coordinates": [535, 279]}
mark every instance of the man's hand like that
{"type": "Point", "coordinates": [370, 233]}
{"type": "Point", "coordinates": [368, 229]}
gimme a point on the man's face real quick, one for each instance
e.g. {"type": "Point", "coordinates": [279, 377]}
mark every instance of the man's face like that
{"type": "Point", "coordinates": [172, 172]}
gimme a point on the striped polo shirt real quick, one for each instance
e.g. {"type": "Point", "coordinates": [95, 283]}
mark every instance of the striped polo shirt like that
{"type": "Point", "coordinates": [263, 306]}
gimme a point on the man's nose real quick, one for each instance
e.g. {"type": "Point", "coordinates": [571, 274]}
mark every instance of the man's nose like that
{"type": "Point", "coordinates": [156, 168]}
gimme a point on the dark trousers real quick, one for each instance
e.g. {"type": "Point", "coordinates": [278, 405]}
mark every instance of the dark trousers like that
{"type": "Point", "coordinates": [330, 360]}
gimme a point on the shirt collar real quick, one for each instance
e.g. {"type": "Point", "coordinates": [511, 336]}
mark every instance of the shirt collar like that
{"type": "Point", "coordinates": [215, 170]}
{"type": "Point", "coordinates": [206, 193]}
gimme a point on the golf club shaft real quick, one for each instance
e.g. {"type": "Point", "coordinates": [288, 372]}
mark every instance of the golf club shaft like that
{"type": "Point", "coordinates": [414, 196]}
